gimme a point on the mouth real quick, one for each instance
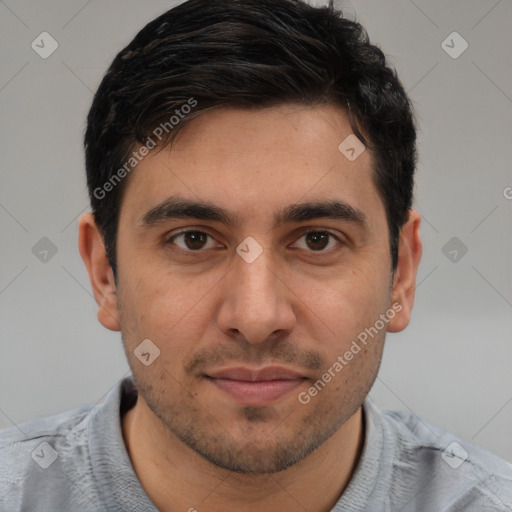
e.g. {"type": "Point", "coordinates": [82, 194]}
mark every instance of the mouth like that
{"type": "Point", "coordinates": [256, 387]}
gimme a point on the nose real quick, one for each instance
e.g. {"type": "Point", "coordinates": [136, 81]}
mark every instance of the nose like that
{"type": "Point", "coordinates": [257, 303]}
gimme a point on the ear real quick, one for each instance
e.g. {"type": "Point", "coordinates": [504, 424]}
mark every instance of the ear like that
{"type": "Point", "coordinates": [92, 250]}
{"type": "Point", "coordinates": [404, 280]}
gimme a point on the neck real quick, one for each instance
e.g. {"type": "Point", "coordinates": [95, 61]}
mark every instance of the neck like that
{"type": "Point", "coordinates": [176, 478]}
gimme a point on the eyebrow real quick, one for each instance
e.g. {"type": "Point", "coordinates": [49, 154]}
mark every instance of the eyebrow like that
{"type": "Point", "coordinates": [181, 208]}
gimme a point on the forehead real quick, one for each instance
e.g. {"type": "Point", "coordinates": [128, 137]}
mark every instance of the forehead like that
{"type": "Point", "coordinates": [253, 162]}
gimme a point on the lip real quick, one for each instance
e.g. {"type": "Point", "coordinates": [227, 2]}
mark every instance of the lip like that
{"type": "Point", "coordinates": [263, 374]}
{"type": "Point", "coordinates": [256, 387]}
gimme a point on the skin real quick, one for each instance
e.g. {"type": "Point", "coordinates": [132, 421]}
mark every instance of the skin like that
{"type": "Point", "coordinates": [299, 305]}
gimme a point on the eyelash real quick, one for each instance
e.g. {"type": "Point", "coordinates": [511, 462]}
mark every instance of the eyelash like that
{"type": "Point", "coordinates": [171, 239]}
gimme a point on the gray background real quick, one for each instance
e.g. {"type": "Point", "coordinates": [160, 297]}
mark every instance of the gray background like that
{"type": "Point", "coordinates": [451, 365]}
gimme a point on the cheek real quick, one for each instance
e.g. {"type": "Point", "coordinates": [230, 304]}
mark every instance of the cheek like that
{"type": "Point", "coordinates": [171, 312]}
{"type": "Point", "coordinates": [345, 382]}
{"type": "Point", "coordinates": [345, 304]}
{"type": "Point", "coordinates": [348, 314]}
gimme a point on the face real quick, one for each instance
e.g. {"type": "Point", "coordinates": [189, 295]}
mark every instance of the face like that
{"type": "Point", "coordinates": [253, 298]}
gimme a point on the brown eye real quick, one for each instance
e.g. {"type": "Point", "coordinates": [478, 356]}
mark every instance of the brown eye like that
{"type": "Point", "coordinates": [318, 241]}
{"type": "Point", "coordinates": [191, 240]}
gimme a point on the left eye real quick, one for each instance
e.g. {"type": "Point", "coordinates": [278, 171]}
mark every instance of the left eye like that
{"type": "Point", "coordinates": [318, 240]}
{"type": "Point", "coordinates": [195, 241]}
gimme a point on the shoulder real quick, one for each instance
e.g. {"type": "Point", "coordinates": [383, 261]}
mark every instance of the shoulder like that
{"type": "Point", "coordinates": [450, 470]}
{"type": "Point", "coordinates": [57, 424]}
{"type": "Point", "coordinates": [414, 431]}
{"type": "Point", "coordinates": [46, 452]}
{"type": "Point", "coordinates": [55, 430]}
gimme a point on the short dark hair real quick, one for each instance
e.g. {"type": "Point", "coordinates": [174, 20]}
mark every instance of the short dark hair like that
{"type": "Point", "coordinates": [247, 54]}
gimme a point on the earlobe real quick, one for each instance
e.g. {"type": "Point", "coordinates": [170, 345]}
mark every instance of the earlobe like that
{"type": "Point", "coordinates": [404, 282]}
{"type": "Point", "coordinates": [92, 250]}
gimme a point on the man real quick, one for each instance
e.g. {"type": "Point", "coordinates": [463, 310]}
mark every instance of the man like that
{"type": "Point", "coordinates": [250, 167]}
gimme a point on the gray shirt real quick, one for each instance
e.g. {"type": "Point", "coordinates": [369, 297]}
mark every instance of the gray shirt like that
{"type": "Point", "coordinates": [77, 461]}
